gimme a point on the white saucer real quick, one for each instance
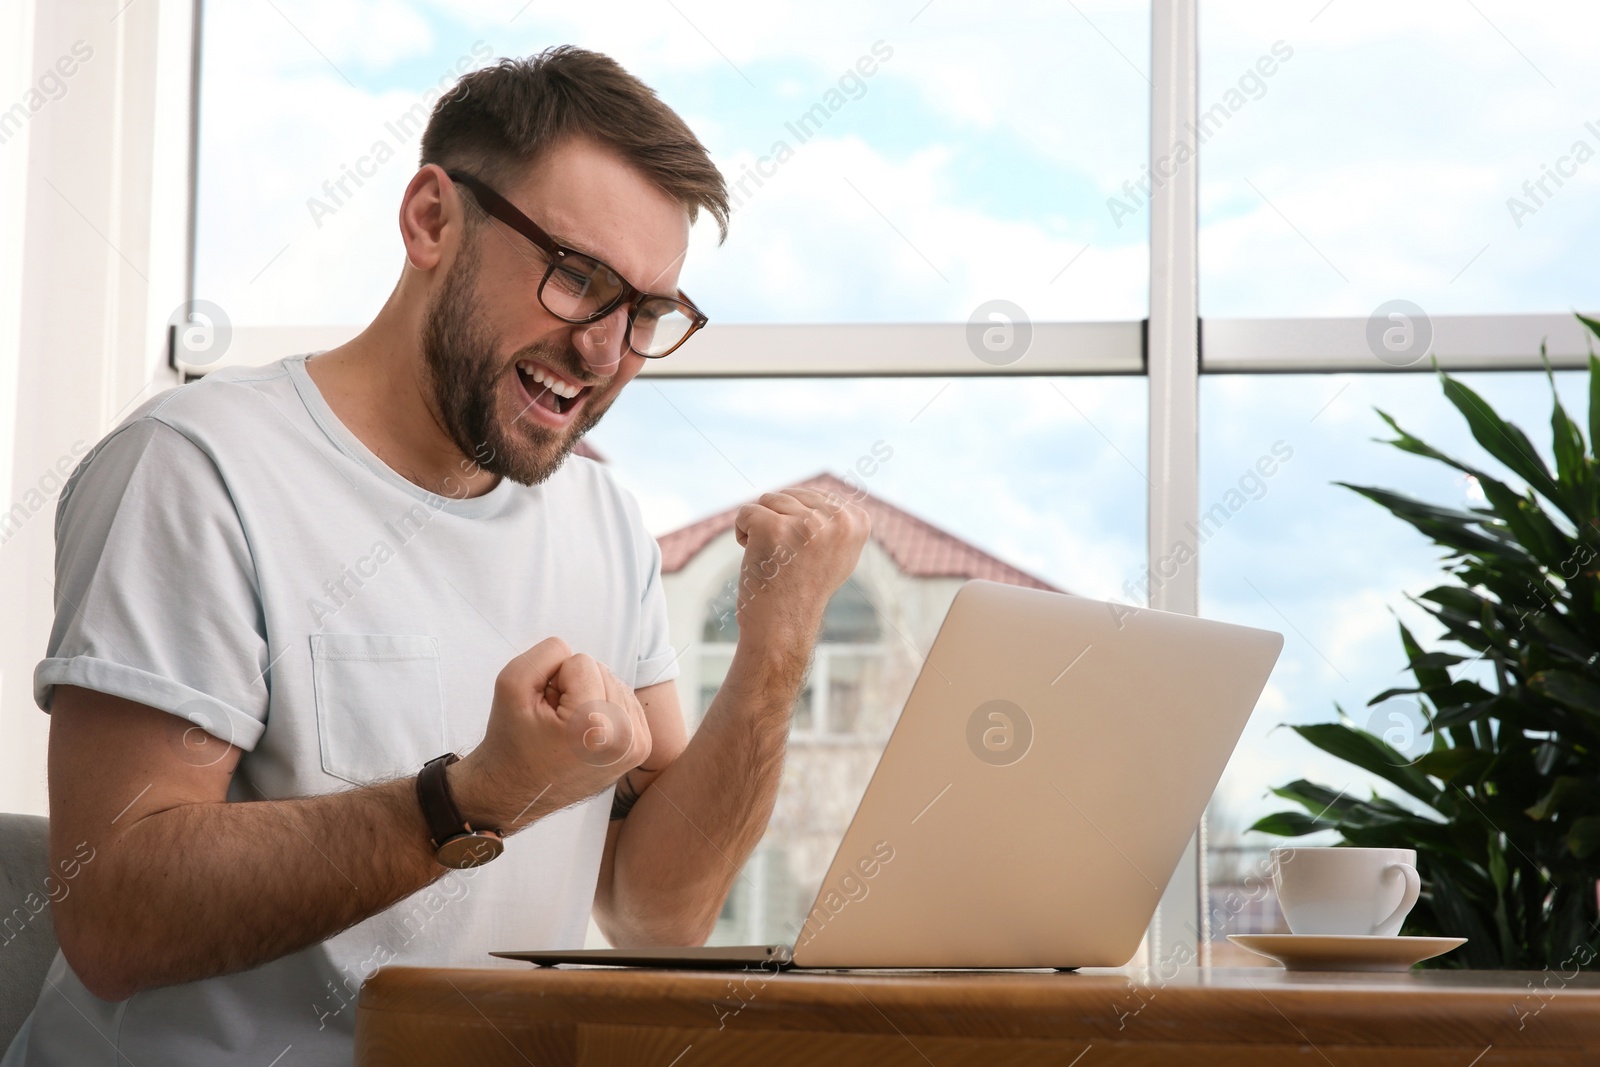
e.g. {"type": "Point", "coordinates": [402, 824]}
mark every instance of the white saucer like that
{"type": "Point", "coordinates": [1346, 952]}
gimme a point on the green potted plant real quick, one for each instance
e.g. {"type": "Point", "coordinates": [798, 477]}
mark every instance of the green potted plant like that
{"type": "Point", "coordinates": [1503, 805]}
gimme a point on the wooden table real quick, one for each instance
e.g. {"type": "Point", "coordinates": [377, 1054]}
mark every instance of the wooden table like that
{"type": "Point", "coordinates": [1233, 1016]}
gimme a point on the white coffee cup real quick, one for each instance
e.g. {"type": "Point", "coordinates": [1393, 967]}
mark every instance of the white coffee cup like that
{"type": "Point", "coordinates": [1367, 891]}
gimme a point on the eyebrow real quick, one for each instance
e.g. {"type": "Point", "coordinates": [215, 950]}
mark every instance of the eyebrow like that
{"type": "Point", "coordinates": [588, 250]}
{"type": "Point", "coordinates": [566, 242]}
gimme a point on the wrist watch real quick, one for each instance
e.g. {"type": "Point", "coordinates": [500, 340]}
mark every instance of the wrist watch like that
{"type": "Point", "coordinates": [456, 843]}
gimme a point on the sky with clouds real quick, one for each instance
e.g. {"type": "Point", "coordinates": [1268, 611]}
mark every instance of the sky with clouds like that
{"type": "Point", "coordinates": [981, 160]}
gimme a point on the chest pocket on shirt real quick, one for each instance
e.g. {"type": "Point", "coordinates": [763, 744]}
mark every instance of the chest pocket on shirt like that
{"type": "Point", "coordinates": [380, 704]}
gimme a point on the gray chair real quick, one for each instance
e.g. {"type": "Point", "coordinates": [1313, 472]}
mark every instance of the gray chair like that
{"type": "Point", "coordinates": [27, 934]}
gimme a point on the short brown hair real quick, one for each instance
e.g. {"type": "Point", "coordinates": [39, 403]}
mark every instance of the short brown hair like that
{"type": "Point", "coordinates": [499, 119]}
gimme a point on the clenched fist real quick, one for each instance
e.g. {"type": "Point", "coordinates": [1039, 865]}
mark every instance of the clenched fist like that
{"type": "Point", "coordinates": [561, 729]}
{"type": "Point", "coordinates": [799, 546]}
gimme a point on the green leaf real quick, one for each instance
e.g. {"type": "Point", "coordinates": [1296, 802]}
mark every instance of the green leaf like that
{"type": "Point", "coordinates": [1455, 906]}
{"type": "Point", "coordinates": [1505, 442]}
{"type": "Point", "coordinates": [1289, 824]}
{"type": "Point", "coordinates": [1563, 788]}
{"type": "Point", "coordinates": [1429, 675]}
{"type": "Point", "coordinates": [1451, 763]}
{"type": "Point", "coordinates": [1529, 523]}
{"type": "Point", "coordinates": [1564, 687]}
{"type": "Point", "coordinates": [1317, 799]}
{"type": "Point", "coordinates": [1501, 878]}
{"type": "Point", "coordinates": [1371, 755]}
{"type": "Point", "coordinates": [1550, 627]}
{"type": "Point", "coordinates": [1467, 702]}
{"type": "Point", "coordinates": [1468, 618]}
{"type": "Point", "coordinates": [1584, 837]}
{"type": "Point", "coordinates": [1571, 937]}
{"type": "Point", "coordinates": [1497, 866]}
{"type": "Point", "coordinates": [1594, 383]}
{"type": "Point", "coordinates": [1436, 659]}
{"type": "Point", "coordinates": [1566, 439]}
{"type": "Point", "coordinates": [1407, 443]}
{"type": "Point", "coordinates": [1455, 530]}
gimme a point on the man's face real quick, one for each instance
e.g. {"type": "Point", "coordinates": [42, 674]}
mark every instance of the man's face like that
{"type": "Point", "coordinates": [514, 386]}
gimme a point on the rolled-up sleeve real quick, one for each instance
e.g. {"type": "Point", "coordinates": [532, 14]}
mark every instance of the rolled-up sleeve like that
{"type": "Point", "coordinates": [156, 595]}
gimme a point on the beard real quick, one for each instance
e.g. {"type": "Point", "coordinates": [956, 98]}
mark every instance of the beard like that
{"type": "Point", "coordinates": [464, 376]}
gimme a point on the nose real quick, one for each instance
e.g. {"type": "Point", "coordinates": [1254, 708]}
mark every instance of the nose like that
{"type": "Point", "coordinates": [600, 342]}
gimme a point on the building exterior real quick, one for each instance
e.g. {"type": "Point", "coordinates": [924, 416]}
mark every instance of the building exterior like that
{"type": "Point", "coordinates": [874, 635]}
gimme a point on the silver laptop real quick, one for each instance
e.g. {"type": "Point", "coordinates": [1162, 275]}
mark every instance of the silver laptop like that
{"type": "Point", "coordinates": [1036, 795]}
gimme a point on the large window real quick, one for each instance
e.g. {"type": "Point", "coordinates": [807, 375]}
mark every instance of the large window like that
{"type": "Point", "coordinates": [897, 171]}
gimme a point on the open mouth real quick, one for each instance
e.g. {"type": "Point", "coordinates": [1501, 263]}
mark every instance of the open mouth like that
{"type": "Point", "coordinates": [548, 390]}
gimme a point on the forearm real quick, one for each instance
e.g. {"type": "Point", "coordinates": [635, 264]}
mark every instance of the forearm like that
{"type": "Point", "coordinates": [203, 889]}
{"type": "Point", "coordinates": [688, 836]}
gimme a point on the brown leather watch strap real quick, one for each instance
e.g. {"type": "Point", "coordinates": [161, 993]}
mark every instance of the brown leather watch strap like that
{"type": "Point", "coordinates": [456, 843]}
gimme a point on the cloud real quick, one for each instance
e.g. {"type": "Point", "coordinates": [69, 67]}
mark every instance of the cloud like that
{"type": "Point", "coordinates": [843, 233]}
{"type": "Point", "coordinates": [1389, 144]}
{"type": "Point", "coordinates": [926, 152]}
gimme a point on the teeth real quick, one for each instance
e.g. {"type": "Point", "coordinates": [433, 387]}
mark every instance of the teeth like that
{"type": "Point", "coordinates": [561, 388]}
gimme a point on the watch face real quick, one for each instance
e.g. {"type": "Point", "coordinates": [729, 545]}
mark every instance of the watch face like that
{"type": "Point", "coordinates": [469, 850]}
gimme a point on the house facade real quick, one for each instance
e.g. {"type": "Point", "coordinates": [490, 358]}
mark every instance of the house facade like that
{"type": "Point", "coordinates": [875, 632]}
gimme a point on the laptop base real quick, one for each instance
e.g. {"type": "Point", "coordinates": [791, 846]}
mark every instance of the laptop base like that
{"type": "Point", "coordinates": [712, 957]}
{"type": "Point", "coordinates": [705, 958]}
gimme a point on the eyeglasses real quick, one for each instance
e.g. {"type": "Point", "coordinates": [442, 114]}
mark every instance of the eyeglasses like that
{"type": "Point", "coordinates": [578, 288]}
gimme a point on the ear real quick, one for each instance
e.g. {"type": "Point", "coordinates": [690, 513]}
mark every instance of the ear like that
{"type": "Point", "coordinates": [432, 219]}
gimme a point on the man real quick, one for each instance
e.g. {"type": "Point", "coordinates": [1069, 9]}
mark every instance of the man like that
{"type": "Point", "coordinates": [283, 591]}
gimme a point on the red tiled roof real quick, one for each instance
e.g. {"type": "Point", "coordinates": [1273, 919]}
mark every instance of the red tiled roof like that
{"type": "Point", "coordinates": [918, 548]}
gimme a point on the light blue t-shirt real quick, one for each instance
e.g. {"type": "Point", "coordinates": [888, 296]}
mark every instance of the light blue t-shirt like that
{"type": "Point", "coordinates": [234, 555]}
